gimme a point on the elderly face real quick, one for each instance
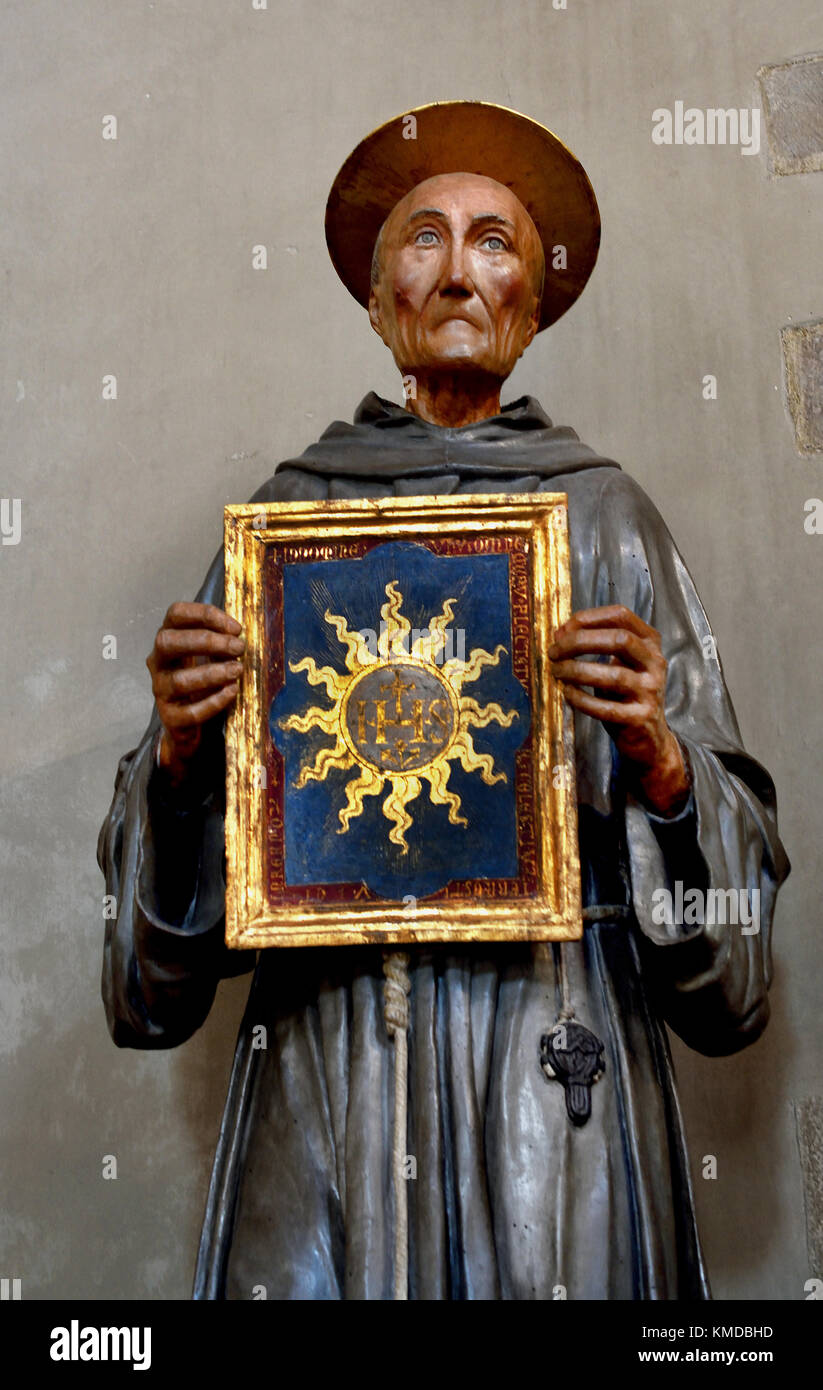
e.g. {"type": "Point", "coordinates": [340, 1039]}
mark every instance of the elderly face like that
{"type": "Point", "coordinates": [460, 269]}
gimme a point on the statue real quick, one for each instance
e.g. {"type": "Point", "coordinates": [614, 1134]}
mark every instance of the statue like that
{"type": "Point", "coordinates": [450, 239]}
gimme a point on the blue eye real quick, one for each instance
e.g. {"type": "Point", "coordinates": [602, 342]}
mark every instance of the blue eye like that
{"type": "Point", "coordinates": [501, 245]}
{"type": "Point", "coordinates": [428, 233]}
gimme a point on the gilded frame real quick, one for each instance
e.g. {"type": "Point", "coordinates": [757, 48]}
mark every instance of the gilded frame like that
{"type": "Point", "coordinates": [553, 912]}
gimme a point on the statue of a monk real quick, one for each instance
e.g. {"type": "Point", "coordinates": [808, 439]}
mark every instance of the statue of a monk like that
{"type": "Point", "coordinates": [510, 1200]}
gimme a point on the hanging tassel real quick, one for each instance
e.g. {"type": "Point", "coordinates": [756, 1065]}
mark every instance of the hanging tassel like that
{"type": "Point", "coordinates": [571, 1053]}
{"type": "Point", "coordinates": [396, 988]}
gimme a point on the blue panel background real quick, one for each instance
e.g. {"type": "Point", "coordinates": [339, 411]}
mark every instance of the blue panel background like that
{"type": "Point", "coordinates": [315, 853]}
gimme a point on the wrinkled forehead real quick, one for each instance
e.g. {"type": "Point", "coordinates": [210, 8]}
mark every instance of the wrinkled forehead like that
{"type": "Point", "coordinates": [462, 194]}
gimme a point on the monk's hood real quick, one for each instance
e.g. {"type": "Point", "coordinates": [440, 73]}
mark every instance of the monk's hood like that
{"type": "Point", "coordinates": [386, 441]}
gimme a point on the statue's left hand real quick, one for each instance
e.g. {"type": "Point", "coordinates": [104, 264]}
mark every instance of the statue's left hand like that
{"type": "Point", "coordinates": [629, 698]}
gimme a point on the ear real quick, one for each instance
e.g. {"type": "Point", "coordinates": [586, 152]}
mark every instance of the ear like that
{"type": "Point", "coordinates": [534, 324]}
{"type": "Point", "coordinates": [374, 316]}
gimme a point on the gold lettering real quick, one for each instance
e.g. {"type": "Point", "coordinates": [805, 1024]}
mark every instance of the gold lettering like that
{"type": "Point", "coordinates": [436, 717]}
{"type": "Point", "coordinates": [417, 720]}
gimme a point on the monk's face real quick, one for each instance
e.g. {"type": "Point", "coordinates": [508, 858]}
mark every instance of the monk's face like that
{"type": "Point", "coordinates": [460, 268]}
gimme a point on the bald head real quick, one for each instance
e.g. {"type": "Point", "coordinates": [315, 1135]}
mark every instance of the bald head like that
{"type": "Point", "coordinates": [457, 282]}
{"type": "Point", "coordinates": [479, 180]}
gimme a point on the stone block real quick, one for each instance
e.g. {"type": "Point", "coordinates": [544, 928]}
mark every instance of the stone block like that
{"type": "Point", "coordinates": [803, 383]}
{"type": "Point", "coordinates": [792, 103]}
{"type": "Point", "coordinates": [808, 1116]}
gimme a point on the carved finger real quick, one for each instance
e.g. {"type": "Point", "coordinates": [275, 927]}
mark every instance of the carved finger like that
{"type": "Point", "coordinates": [620, 642]}
{"type": "Point", "coordinates": [177, 684]}
{"type": "Point", "coordinates": [206, 615]}
{"type": "Point", "coordinates": [173, 643]}
{"type": "Point", "coordinates": [609, 711]}
{"type": "Point", "coordinates": [611, 615]}
{"type": "Point", "coordinates": [181, 716]}
{"type": "Point", "coordinates": [600, 677]}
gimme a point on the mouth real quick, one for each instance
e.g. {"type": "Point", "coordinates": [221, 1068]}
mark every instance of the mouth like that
{"type": "Point", "coordinates": [459, 318]}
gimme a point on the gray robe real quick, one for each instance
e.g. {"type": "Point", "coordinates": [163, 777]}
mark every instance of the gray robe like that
{"type": "Point", "coordinates": [509, 1200]}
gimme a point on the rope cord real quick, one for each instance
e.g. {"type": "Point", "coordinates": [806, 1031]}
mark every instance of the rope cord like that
{"type": "Point", "coordinates": [567, 1011]}
{"type": "Point", "coordinates": [396, 988]}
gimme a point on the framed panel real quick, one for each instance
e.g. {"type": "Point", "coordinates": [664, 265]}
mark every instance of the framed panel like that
{"type": "Point", "coordinates": [400, 762]}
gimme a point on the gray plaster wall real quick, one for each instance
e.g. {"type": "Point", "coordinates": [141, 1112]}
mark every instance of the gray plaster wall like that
{"type": "Point", "coordinates": [133, 257]}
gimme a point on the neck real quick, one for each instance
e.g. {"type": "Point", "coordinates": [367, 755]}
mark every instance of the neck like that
{"type": "Point", "coordinates": [455, 398]}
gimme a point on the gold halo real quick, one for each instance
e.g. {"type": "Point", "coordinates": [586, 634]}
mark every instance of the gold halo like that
{"type": "Point", "coordinates": [474, 137]}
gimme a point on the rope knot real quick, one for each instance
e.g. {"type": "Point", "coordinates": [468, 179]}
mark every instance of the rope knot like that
{"type": "Point", "coordinates": [396, 989]}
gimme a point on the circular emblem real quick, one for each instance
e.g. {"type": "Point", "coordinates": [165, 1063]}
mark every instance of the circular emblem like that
{"type": "Point", "coordinates": [399, 716]}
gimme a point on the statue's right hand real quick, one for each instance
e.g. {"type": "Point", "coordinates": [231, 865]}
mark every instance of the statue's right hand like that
{"type": "Point", "coordinates": [195, 668]}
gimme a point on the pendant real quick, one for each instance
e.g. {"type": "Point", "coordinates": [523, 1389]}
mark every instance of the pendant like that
{"type": "Point", "coordinates": [573, 1055]}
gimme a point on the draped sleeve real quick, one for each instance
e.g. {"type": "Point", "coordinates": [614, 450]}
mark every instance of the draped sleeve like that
{"type": "Point", "coordinates": [163, 858]}
{"type": "Point", "coordinates": [709, 970]}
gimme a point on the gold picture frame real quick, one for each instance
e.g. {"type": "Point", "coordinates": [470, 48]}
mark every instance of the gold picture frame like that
{"type": "Point", "coordinates": [283, 544]}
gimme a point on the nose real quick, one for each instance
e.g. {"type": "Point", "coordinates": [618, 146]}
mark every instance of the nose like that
{"type": "Point", "coordinates": [456, 281]}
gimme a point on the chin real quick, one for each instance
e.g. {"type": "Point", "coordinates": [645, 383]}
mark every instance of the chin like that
{"type": "Point", "coordinates": [457, 359]}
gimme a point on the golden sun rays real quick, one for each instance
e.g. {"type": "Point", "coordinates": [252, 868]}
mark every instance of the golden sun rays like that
{"type": "Point", "coordinates": [398, 715]}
